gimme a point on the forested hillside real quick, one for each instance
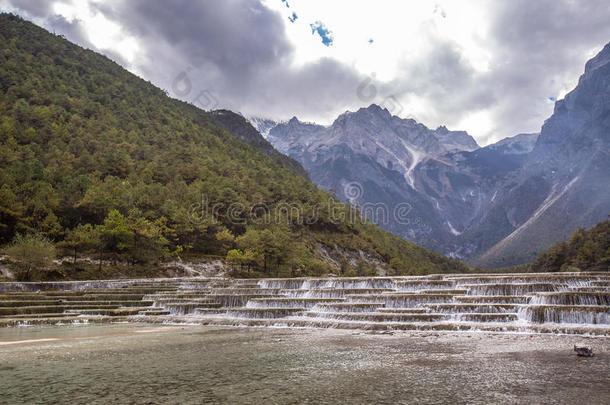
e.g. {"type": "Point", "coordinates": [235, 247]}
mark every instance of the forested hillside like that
{"type": "Point", "coordinates": [586, 250]}
{"type": "Point", "coordinates": [101, 161]}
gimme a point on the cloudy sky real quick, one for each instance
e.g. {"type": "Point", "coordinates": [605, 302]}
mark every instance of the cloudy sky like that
{"type": "Point", "coordinates": [491, 67]}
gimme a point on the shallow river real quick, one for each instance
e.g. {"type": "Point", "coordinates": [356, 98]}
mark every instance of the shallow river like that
{"type": "Point", "coordinates": [183, 365]}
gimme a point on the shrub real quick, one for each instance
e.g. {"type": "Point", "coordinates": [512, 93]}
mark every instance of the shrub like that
{"type": "Point", "coordinates": [31, 252]}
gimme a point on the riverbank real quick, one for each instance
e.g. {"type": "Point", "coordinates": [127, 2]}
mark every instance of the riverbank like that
{"type": "Point", "coordinates": [197, 364]}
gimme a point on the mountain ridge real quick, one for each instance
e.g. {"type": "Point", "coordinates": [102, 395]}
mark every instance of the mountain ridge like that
{"type": "Point", "coordinates": [470, 202]}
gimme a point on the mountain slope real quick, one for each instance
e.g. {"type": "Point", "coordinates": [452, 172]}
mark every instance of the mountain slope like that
{"type": "Point", "coordinates": [83, 141]}
{"type": "Point", "coordinates": [425, 185]}
{"type": "Point", "coordinates": [569, 165]}
{"type": "Point", "coordinates": [496, 206]}
{"type": "Point", "coordinates": [240, 127]}
{"type": "Point", "coordinates": [586, 250]}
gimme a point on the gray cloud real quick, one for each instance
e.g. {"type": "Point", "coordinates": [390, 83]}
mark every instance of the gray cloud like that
{"type": "Point", "coordinates": [237, 52]}
{"type": "Point", "coordinates": [540, 47]}
{"type": "Point", "coordinates": [41, 12]}
{"type": "Point", "coordinates": [32, 8]}
{"type": "Point", "coordinates": [73, 30]}
{"type": "Point", "coordinates": [444, 76]}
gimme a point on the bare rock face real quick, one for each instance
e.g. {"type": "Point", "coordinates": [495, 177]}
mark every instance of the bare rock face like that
{"type": "Point", "coordinates": [425, 185]}
{"type": "Point", "coordinates": [564, 183]}
{"type": "Point", "coordinates": [494, 206]}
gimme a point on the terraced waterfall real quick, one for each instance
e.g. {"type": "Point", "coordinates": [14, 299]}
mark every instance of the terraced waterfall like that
{"type": "Point", "coordinates": [534, 303]}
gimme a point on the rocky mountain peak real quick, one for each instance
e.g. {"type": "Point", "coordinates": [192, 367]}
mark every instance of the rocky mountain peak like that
{"type": "Point", "coordinates": [442, 130]}
{"type": "Point", "coordinates": [601, 59]}
{"type": "Point", "coordinates": [517, 145]}
{"type": "Point", "coordinates": [579, 124]}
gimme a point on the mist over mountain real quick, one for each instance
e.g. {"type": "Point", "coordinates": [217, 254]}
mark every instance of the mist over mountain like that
{"type": "Point", "coordinates": [493, 206]}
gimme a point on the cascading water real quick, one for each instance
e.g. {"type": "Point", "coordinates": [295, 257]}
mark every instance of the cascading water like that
{"type": "Point", "coordinates": [564, 302]}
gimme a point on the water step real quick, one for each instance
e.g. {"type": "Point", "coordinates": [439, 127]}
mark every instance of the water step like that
{"type": "Point", "coordinates": [242, 290]}
{"type": "Point", "coordinates": [442, 326]}
{"type": "Point", "coordinates": [401, 300]}
{"type": "Point", "coordinates": [178, 300]}
{"type": "Point", "coordinates": [547, 303]}
{"type": "Point", "coordinates": [485, 317]}
{"type": "Point", "coordinates": [49, 309]}
{"type": "Point", "coordinates": [25, 303]}
{"type": "Point", "coordinates": [258, 313]}
{"type": "Point", "coordinates": [493, 299]}
{"type": "Point", "coordinates": [601, 283]}
{"type": "Point", "coordinates": [289, 302]}
{"type": "Point", "coordinates": [348, 307]}
{"type": "Point", "coordinates": [510, 288]}
{"type": "Point", "coordinates": [59, 320]}
{"type": "Point", "coordinates": [418, 285]}
{"type": "Point", "coordinates": [578, 314]}
{"type": "Point", "coordinates": [109, 297]}
{"type": "Point", "coordinates": [444, 291]}
{"type": "Point", "coordinates": [404, 310]}
{"type": "Point", "coordinates": [108, 312]}
{"type": "Point", "coordinates": [154, 312]}
{"type": "Point", "coordinates": [238, 300]}
{"type": "Point", "coordinates": [177, 295]}
{"type": "Point", "coordinates": [51, 315]}
{"type": "Point", "coordinates": [344, 282]}
{"type": "Point", "coordinates": [378, 316]}
{"type": "Point", "coordinates": [133, 288]}
{"type": "Point", "coordinates": [589, 288]}
{"type": "Point", "coordinates": [480, 308]}
{"type": "Point", "coordinates": [571, 298]}
{"type": "Point", "coordinates": [331, 292]}
{"type": "Point", "coordinates": [184, 308]}
{"type": "Point", "coordinates": [51, 293]}
{"type": "Point", "coordinates": [26, 297]}
{"type": "Point", "coordinates": [527, 278]}
{"type": "Point", "coordinates": [129, 303]}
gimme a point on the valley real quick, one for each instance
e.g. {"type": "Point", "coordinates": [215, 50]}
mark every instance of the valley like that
{"type": "Point", "coordinates": [493, 206]}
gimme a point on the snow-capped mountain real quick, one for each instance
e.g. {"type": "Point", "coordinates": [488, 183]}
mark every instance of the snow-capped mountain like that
{"type": "Point", "coordinates": [497, 205]}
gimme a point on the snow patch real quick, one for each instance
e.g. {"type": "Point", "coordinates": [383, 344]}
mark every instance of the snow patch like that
{"type": "Point", "coordinates": [454, 231]}
{"type": "Point", "coordinates": [416, 157]}
{"type": "Point", "coordinates": [494, 196]}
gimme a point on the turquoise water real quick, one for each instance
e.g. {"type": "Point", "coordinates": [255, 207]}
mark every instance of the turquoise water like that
{"type": "Point", "coordinates": [143, 364]}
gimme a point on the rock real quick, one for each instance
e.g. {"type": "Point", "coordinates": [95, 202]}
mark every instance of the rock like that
{"type": "Point", "coordinates": [583, 351]}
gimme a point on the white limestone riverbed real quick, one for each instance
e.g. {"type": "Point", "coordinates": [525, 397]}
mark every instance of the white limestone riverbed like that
{"type": "Point", "coordinates": [139, 363]}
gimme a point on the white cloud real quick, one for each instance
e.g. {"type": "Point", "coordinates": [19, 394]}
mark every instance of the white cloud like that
{"type": "Point", "coordinates": [484, 66]}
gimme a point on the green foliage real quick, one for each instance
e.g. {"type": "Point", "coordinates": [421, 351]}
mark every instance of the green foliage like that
{"type": "Point", "coordinates": [270, 244]}
{"type": "Point", "coordinates": [317, 268]}
{"type": "Point", "coordinates": [226, 239]}
{"type": "Point", "coordinates": [82, 238]}
{"type": "Point", "coordinates": [586, 250]}
{"type": "Point", "coordinates": [115, 233]}
{"type": "Point", "coordinates": [102, 161]}
{"type": "Point", "coordinates": [31, 252]}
